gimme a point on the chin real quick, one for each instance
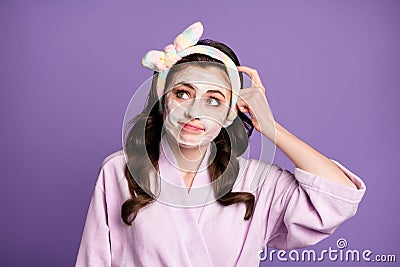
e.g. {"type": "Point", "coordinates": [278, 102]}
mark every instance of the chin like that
{"type": "Point", "coordinates": [187, 146]}
{"type": "Point", "coordinates": [193, 142]}
{"type": "Point", "coordinates": [189, 142]}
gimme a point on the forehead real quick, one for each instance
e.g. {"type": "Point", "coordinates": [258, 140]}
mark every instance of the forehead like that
{"type": "Point", "coordinates": [202, 74]}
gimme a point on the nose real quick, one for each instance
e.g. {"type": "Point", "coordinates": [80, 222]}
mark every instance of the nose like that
{"type": "Point", "coordinates": [194, 108]}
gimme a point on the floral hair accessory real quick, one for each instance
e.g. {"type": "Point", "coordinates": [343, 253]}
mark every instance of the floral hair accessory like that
{"type": "Point", "coordinates": [184, 45]}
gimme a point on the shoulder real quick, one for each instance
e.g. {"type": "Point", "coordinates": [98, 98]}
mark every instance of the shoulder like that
{"type": "Point", "coordinates": [251, 163]}
{"type": "Point", "coordinates": [113, 160]}
{"type": "Point", "coordinates": [258, 167]}
{"type": "Point", "coordinates": [112, 169]}
{"type": "Point", "coordinates": [253, 173]}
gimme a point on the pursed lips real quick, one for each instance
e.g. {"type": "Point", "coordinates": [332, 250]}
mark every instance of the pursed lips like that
{"type": "Point", "coordinates": [192, 126]}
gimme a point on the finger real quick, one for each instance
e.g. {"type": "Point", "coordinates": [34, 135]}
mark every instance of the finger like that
{"type": "Point", "coordinates": [245, 108]}
{"type": "Point", "coordinates": [252, 91]}
{"type": "Point", "coordinates": [242, 104]}
{"type": "Point", "coordinates": [255, 78]}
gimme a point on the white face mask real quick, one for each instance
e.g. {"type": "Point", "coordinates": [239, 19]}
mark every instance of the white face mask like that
{"type": "Point", "coordinates": [196, 104]}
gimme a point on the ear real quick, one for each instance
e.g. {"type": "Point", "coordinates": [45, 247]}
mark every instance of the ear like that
{"type": "Point", "coordinates": [231, 115]}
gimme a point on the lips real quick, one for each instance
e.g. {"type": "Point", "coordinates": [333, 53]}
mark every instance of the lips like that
{"type": "Point", "coordinates": [191, 126]}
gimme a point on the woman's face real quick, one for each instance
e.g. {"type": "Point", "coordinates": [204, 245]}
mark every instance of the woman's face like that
{"type": "Point", "coordinates": [196, 104]}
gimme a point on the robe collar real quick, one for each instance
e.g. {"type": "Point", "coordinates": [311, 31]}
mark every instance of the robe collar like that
{"type": "Point", "coordinates": [168, 160]}
{"type": "Point", "coordinates": [173, 190]}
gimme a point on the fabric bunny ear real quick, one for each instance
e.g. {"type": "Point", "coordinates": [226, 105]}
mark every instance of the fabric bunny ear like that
{"type": "Point", "coordinates": [189, 37]}
{"type": "Point", "coordinates": [161, 60]}
{"type": "Point", "coordinates": [154, 60]}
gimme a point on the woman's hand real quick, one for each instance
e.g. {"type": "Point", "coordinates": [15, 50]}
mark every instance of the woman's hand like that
{"type": "Point", "coordinates": [253, 100]}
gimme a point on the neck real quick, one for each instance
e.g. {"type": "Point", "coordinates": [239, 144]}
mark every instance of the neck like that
{"type": "Point", "coordinates": [188, 158]}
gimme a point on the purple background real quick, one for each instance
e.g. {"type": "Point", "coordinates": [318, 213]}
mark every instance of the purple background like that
{"type": "Point", "coordinates": [69, 69]}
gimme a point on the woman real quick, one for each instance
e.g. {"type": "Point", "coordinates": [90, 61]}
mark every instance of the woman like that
{"type": "Point", "coordinates": [181, 194]}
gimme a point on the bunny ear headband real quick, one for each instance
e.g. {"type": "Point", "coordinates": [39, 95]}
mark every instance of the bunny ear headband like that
{"type": "Point", "coordinates": [184, 45]}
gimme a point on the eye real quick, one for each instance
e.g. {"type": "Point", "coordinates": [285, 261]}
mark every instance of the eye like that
{"type": "Point", "coordinates": [182, 94]}
{"type": "Point", "coordinates": [213, 101]}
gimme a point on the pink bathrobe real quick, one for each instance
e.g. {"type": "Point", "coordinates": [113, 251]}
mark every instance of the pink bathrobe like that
{"type": "Point", "coordinates": [291, 211]}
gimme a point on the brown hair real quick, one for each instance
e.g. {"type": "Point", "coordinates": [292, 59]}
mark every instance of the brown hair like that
{"type": "Point", "coordinates": [229, 144]}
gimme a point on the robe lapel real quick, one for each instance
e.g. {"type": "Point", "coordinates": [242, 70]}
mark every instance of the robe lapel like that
{"type": "Point", "coordinates": [191, 236]}
{"type": "Point", "coordinates": [188, 206]}
{"type": "Point", "coordinates": [173, 190]}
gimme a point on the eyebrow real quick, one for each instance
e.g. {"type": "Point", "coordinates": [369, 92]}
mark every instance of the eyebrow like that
{"type": "Point", "coordinates": [216, 91]}
{"type": "Point", "coordinates": [194, 88]}
{"type": "Point", "coordinates": [185, 84]}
